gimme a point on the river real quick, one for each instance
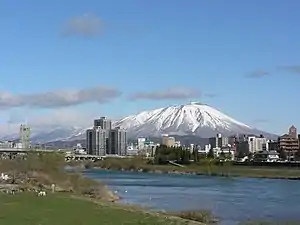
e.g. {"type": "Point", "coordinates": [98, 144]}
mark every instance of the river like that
{"type": "Point", "coordinates": [233, 200]}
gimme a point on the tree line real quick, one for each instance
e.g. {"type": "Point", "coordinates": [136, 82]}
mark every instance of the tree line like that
{"type": "Point", "coordinates": [164, 154]}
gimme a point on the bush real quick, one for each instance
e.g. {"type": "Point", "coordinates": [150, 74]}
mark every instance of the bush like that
{"type": "Point", "coordinates": [199, 216]}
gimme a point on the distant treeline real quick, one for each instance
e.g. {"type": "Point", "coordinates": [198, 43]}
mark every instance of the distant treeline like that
{"type": "Point", "coordinates": [164, 154]}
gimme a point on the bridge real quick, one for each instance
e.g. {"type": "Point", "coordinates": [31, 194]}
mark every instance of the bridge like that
{"type": "Point", "coordinates": [69, 157]}
{"type": "Point", "coordinates": [72, 156]}
{"type": "Point", "coordinates": [23, 150]}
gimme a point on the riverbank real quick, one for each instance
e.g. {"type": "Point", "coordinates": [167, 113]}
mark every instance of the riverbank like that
{"type": "Point", "coordinates": [205, 168]}
{"type": "Point", "coordinates": [68, 195]}
{"type": "Point", "coordinates": [44, 172]}
{"type": "Point", "coordinates": [63, 209]}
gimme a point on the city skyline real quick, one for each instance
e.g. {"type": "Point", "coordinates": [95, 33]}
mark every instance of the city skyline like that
{"type": "Point", "coordinates": [64, 64]}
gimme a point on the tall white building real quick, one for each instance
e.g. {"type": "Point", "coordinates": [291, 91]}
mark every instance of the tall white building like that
{"type": "Point", "coordinates": [257, 144]}
{"type": "Point", "coordinates": [141, 143]}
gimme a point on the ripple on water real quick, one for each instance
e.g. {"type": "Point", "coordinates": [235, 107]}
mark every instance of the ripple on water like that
{"type": "Point", "coordinates": [231, 199]}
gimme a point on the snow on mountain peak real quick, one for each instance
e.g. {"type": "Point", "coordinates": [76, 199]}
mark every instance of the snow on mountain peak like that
{"type": "Point", "coordinates": [192, 118]}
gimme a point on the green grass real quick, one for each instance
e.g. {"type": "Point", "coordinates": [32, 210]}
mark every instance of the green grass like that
{"type": "Point", "coordinates": [61, 209]}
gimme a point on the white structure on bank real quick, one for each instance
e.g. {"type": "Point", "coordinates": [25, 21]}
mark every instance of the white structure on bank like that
{"type": "Point", "coordinates": [79, 150]}
{"type": "Point", "coordinates": [132, 150]}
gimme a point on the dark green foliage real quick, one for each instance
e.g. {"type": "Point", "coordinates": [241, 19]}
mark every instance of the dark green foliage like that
{"type": "Point", "coordinates": [241, 155]}
{"type": "Point", "coordinates": [199, 216]}
{"type": "Point", "coordinates": [164, 154]}
{"type": "Point", "coordinates": [282, 154]}
{"type": "Point", "coordinates": [211, 154]}
{"type": "Point", "coordinates": [222, 155]}
{"type": "Point", "coordinates": [195, 155]}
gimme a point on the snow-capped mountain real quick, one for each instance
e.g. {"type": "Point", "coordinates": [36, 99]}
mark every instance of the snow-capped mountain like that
{"type": "Point", "coordinates": [193, 119]}
{"type": "Point", "coordinates": [51, 134]}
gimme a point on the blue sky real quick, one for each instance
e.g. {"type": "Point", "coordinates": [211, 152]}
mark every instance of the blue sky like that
{"type": "Point", "coordinates": [242, 56]}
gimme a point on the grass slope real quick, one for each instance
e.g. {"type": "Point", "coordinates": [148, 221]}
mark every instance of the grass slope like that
{"type": "Point", "coordinates": [61, 209]}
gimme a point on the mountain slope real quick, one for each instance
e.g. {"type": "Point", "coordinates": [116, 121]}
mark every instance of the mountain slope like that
{"type": "Point", "coordinates": [190, 119]}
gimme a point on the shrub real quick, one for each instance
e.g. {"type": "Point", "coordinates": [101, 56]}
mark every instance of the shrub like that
{"type": "Point", "coordinates": [199, 216]}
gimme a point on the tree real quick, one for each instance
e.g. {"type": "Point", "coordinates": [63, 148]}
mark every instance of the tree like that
{"type": "Point", "coordinates": [164, 154]}
{"type": "Point", "coordinates": [211, 154]}
{"type": "Point", "coordinates": [222, 155]}
{"type": "Point", "coordinates": [282, 154]}
{"type": "Point", "coordinates": [185, 158]}
{"type": "Point", "coordinates": [195, 155]}
{"type": "Point", "coordinates": [297, 155]}
{"type": "Point", "coordinates": [241, 155]}
{"type": "Point", "coordinates": [250, 155]}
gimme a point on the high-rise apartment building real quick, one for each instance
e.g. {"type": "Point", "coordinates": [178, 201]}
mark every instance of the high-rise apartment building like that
{"type": "Point", "coordinates": [289, 145]}
{"type": "Point", "coordinates": [96, 141]}
{"type": "Point", "coordinates": [103, 122]}
{"type": "Point", "coordinates": [117, 142]}
{"type": "Point", "coordinates": [102, 140]}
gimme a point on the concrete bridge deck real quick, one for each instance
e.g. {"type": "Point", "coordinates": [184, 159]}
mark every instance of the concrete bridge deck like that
{"type": "Point", "coordinates": [23, 150]}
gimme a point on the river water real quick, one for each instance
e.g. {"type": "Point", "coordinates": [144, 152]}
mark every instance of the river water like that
{"type": "Point", "coordinates": [233, 200]}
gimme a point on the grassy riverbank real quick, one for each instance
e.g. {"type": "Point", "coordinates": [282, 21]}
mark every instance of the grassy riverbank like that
{"type": "Point", "coordinates": [76, 200]}
{"type": "Point", "coordinates": [40, 171]}
{"type": "Point", "coordinates": [62, 209]}
{"type": "Point", "coordinates": [204, 167]}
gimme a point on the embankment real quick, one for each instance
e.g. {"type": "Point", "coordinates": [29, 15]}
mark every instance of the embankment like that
{"type": "Point", "coordinates": [204, 168]}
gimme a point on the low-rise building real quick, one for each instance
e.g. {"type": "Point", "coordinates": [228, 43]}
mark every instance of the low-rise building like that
{"type": "Point", "coordinates": [168, 141]}
{"type": "Point", "coordinates": [226, 152]}
{"type": "Point", "coordinates": [132, 150]}
{"type": "Point", "coordinates": [266, 156]}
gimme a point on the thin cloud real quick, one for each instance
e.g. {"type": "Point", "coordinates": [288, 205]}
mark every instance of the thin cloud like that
{"type": "Point", "coordinates": [87, 25]}
{"type": "Point", "coordinates": [258, 74]}
{"type": "Point", "coordinates": [290, 69]}
{"type": "Point", "coordinates": [58, 98]}
{"type": "Point", "coordinates": [170, 93]}
{"type": "Point", "coordinates": [210, 95]}
{"type": "Point", "coordinates": [260, 121]}
{"type": "Point", "coordinates": [62, 117]}
{"type": "Point", "coordinates": [55, 118]}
